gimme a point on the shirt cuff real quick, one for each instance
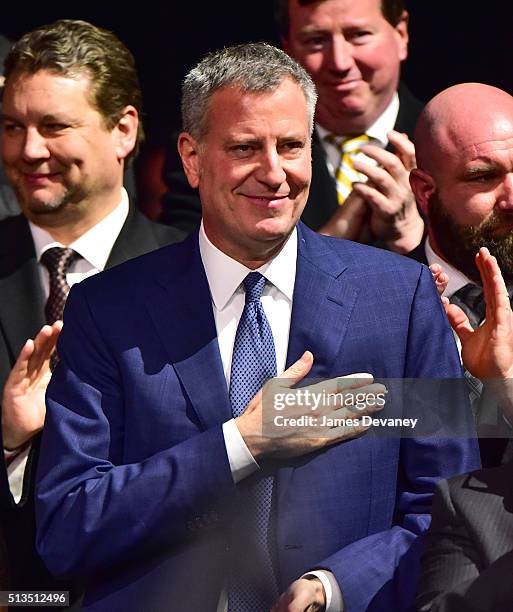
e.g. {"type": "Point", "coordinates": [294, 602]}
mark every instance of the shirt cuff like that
{"type": "Point", "coordinates": [242, 462]}
{"type": "Point", "coordinates": [16, 465]}
{"type": "Point", "coordinates": [334, 601]}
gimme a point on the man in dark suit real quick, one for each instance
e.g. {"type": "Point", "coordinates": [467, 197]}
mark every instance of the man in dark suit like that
{"type": "Point", "coordinates": [157, 482]}
{"type": "Point", "coordinates": [353, 51]}
{"type": "Point", "coordinates": [69, 125]}
{"type": "Point", "coordinates": [467, 199]}
{"type": "Point", "coordinates": [469, 548]}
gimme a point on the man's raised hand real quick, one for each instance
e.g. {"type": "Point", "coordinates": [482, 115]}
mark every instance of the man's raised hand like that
{"type": "Point", "coordinates": [23, 398]}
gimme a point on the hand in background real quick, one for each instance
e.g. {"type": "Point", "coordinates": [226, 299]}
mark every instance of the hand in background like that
{"type": "Point", "coordinates": [487, 351]}
{"type": "Point", "coordinates": [23, 398]}
{"type": "Point", "coordinates": [441, 280]}
{"type": "Point", "coordinates": [395, 218]}
{"type": "Point", "coordinates": [350, 221]}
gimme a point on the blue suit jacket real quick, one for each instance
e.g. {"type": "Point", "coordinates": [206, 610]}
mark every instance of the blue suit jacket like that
{"type": "Point", "coordinates": [135, 486]}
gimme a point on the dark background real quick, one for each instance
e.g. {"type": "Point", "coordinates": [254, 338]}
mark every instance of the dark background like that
{"type": "Point", "coordinates": [451, 42]}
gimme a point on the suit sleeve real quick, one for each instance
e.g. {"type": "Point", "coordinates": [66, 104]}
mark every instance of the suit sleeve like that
{"type": "Point", "coordinates": [93, 509]}
{"type": "Point", "coordinates": [379, 572]}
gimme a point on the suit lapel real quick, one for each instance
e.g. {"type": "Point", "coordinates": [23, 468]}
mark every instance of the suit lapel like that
{"type": "Point", "coordinates": [134, 239]}
{"type": "Point", "coordinates": [419, 253]}
{"type": "Point", "coordinates": [507, 475]}
{"type": "Point", "coordinates": [322, 304]}
{"type": "Point", "coordinates": [22, 303]}
{"type": "Point", "coordinates": [322, 199]}
{"type": "Point", "coordinates": [181, 310]}
{"type": "Point", "coordinates": [322, 307]}
{"type": "Point", "coordinates": [409, 111]}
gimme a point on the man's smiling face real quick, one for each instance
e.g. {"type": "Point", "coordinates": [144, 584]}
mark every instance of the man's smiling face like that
{"type": "Point", "coordinates": [253, 168]}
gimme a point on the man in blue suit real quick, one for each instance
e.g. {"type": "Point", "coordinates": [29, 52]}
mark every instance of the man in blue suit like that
{"type": "Point", "coordinates": [153, 485]}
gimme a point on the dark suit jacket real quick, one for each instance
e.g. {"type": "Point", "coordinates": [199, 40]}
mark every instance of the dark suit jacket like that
{"type": "Point", "coordinates": [182, 207]}
{"type": "Point", "coordinates": [468, 562]}
{"type": "Point", "coordinates": [21, 317]}
{"type": "Point", "coordinates": [138, 498]}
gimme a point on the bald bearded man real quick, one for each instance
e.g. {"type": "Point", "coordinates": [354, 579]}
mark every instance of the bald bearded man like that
{"type": "Point", "coordinates": [464, 184]}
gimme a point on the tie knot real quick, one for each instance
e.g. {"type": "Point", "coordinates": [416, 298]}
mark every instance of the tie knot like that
{"type": "Point", "coordinates": [57, 260]}
{"type": "Point", "coordinates": [253, 286]}
{"type": "Point", "coordinates": [471, 300]}
{"type": "Point", "coordinates": [348, 144]}
{"type": "Point", "coordinates": [470, 294]}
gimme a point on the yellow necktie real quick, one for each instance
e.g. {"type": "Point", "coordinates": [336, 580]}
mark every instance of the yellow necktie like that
{"type": "Point", "coordinates": [346, 174]}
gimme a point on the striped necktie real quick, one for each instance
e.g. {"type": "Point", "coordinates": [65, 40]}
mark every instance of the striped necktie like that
{"type": "Point", "coordinates": [345, 174]}
{"type": "Point", "coordinates": [470, 299]}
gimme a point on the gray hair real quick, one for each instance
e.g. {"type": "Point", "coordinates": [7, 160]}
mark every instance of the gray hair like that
{"type": "Point", "coordinates": [252, 67]}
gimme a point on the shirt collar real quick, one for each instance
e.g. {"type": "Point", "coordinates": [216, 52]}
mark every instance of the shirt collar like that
{"type": "Point", "coordinates": [225, 275]}
{"type": "Point", "coordinates": [380, 128]}
{"type": "Point", "coordinates": [94, 245]}
{"type": "Point", "coordinates": [457, 279]}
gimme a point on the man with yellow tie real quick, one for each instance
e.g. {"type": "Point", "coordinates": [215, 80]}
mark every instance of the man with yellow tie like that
{"type": "Point", "coordinates": [353, 51]}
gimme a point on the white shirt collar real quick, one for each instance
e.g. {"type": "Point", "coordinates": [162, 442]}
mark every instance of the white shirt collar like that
{"type": "Point", "coordinates": [380, 128]}
{"type": "Point", "coordinates": [225, 275]}
{"type": "Point", "coordinates": [457, 279]}
{"type": "Point", "coordinates": [94, 245]}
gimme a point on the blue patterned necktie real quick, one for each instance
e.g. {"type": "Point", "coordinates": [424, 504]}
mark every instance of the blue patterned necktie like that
{"type": "Point", "coordinates": [252, 583]}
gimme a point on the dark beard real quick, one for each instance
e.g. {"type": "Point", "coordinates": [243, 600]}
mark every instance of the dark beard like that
{"type": "Point", "coordinates": [458, 244]}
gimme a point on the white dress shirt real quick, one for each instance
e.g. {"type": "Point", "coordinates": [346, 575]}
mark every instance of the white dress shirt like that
{"type": "Point", "coordinates": [225, 276]}
{"type": "Point", "coordinates": [377, 133]}
{"type": "Point", "coordinates": [94, 246]}
{"type": "Point", "coordinates": [457, 279]}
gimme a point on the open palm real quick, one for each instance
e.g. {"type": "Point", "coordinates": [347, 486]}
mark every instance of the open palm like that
{"type": "Point", "coordinates": [23, 399]}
